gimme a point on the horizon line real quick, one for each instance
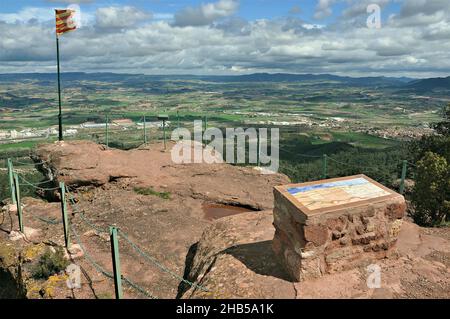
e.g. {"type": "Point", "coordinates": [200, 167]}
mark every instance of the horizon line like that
{"type": "Point", "coordinates": [230, 75]}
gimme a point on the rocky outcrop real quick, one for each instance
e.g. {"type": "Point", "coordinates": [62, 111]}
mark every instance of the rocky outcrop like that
{"type": "Point", "coordinates": [157, 203]}
{"type": "Point", "coordinates": [20, 252]}
{"type": "Point", "coordinates": [84, 163]}
{"type": "Point", "coordinates": [16, 272]}
{"type": "Point", "coordinates": [11, 283]}
{"type": "Point", "coordinates": [234, 259]}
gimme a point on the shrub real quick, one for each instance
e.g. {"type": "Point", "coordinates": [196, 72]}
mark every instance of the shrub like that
{"type": "Point", "coordinates": [49, 263]}
{"type": "Point", "coordinates": [431, 194]}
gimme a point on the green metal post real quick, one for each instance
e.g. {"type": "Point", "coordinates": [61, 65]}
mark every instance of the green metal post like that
{"type": "Point", "coordinates": [402, 183]}
{"type": "Point", "coordinates": [62, 189]}
{"type": "Point", "coordinates": [259, 148]}
{"type": "Point", "coordinates": [116, 262]}
{"type": "Point", "coordinates": [145, 132]}
{"type": "Point", "coordinates": [11, 180]}
{"type": "Point", "coordinates": [178, 119]}
{"type": "Point", "coordinates": [325, 166]}
{"type": "Point", "coordinates": [107, 133]}
{"type": "Point", "coordinates": [18, 202]}
{"type": "Point", "coordinates": [164, 133]}
{"type": "Point", "coordinates": [206, 123]}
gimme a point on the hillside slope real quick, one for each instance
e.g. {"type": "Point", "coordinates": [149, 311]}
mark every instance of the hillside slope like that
{"type": "Point", "coordinates": [429, 85]}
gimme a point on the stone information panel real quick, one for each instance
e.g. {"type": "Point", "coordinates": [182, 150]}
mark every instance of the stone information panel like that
{"type": "Point", "coordinates": [336, 224]}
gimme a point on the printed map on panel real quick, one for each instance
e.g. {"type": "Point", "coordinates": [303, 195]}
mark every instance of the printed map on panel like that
{"type": "Point", "coordinates": [336, 193]}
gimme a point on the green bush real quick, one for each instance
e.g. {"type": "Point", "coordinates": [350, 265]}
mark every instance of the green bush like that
{"type": "Point", "coordinates": [431, 194]}
{"type": "Point", "coordinates": [49, 263]}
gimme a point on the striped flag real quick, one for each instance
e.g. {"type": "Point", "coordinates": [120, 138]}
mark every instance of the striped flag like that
{"type": "Point", "coordinates": [65, 21]}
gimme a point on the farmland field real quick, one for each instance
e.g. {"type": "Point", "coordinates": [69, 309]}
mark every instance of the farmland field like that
{"type": "Point", "coordinates": [351, 121]}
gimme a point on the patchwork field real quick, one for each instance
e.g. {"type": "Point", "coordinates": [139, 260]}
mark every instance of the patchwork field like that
{"type": "Point", "coordinates": [364, 123]}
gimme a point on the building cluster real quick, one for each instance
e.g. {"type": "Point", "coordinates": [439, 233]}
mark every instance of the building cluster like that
{"type": "Point", "coordinates": [72, 130]}
{"type": "Point", "coordinates": [408, 133]}
{"type": "Point", "coordinates": [31, 133]}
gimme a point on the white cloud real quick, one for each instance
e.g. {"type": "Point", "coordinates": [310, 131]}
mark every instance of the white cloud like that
{"type": "Point", "coordinates": [27, 14]}
{"type": "Point", "coordinates": [422, 13]}
{"type": "Point", "coordinates": [120, 17]}
{"type": "Point", "coordinates": [309, 26]}
{"type": "Point", "coordinates": [359, 7]}
{"type": "Point", "coordinates": [323, 9]}
{"type": "Point", "coordinates": [427, 7]}
{"type": "Point", "coordinates": [205, 14]}
{"type": "Point", "coordinates": [231, 45]}
{"type": "Point", "coordinates": [437, 31]}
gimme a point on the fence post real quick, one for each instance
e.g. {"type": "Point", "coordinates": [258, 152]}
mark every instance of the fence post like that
{"type": "Point", "coordinates": [107, 133]}
{"type": "Point", "coordinates": [206, 123]}
{"type": "Point", "coordinates": [145, 132]}
{"type": "Point", "coordinates": [62, 189]}
{"type": "Point", "coordinates": [164, 133]}
{"type": "Point", "coordinates": [325, 166]}
{"type": "Point", "coordinates": [402, 182]}
{"type": "Point", "coordinates": [259, 148]}
{"type": "Point", "coordinates": [116, 262]}
{"type": "Point", "coordinates": [11, 180]}
{"type": "Point", "coordinates": [203, 132]}
{"type": "Point", "coordinates": [18, 202]}
{"type": "Point", "coordinates": [178, 119]}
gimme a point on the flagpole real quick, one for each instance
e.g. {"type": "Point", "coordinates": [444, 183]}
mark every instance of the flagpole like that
{"type": "Point", "coordinates": [59, 91]}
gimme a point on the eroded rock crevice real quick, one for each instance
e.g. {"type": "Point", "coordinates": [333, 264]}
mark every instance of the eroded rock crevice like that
{"type": "Point", "coordinates": [11, 285]}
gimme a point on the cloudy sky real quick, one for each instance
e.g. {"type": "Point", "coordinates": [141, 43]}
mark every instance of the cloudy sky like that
{"type": "Point", "coordinates": [230, 37]}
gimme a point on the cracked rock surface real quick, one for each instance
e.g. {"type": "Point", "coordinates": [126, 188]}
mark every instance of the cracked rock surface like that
{"type": "Point", "coordinates": [234, 259]}
{"type": "Point", "coordinates": [165, 219]}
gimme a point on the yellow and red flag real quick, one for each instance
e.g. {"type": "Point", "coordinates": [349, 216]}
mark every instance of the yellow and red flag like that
{"type": "Point", "coordinates": [65, 21]}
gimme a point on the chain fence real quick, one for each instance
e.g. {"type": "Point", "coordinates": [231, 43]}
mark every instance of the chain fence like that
{"type": "Point", "coordinates": [72, 200]}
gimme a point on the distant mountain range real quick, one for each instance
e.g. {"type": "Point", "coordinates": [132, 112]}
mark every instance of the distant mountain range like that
{"type": "Point", "coordinates": [284, 77]}
{"type": "Point", "coordinates": [428, 85]}
{"type": "Point", "coordinates": [402, 83]}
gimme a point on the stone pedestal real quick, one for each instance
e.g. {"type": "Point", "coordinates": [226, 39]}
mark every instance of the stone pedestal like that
{"type": "Point", "coordinates": [334, 225]}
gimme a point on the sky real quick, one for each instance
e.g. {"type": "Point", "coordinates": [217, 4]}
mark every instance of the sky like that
{"type": "Point", "coordinates": [218, 37]}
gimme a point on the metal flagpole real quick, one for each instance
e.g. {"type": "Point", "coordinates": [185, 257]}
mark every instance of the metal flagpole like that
{"type": "Point", "coordinates": [59, 91]}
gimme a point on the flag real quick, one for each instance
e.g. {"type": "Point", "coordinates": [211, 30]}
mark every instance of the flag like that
{"type": "Point", "coordinates": [65, 21]}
